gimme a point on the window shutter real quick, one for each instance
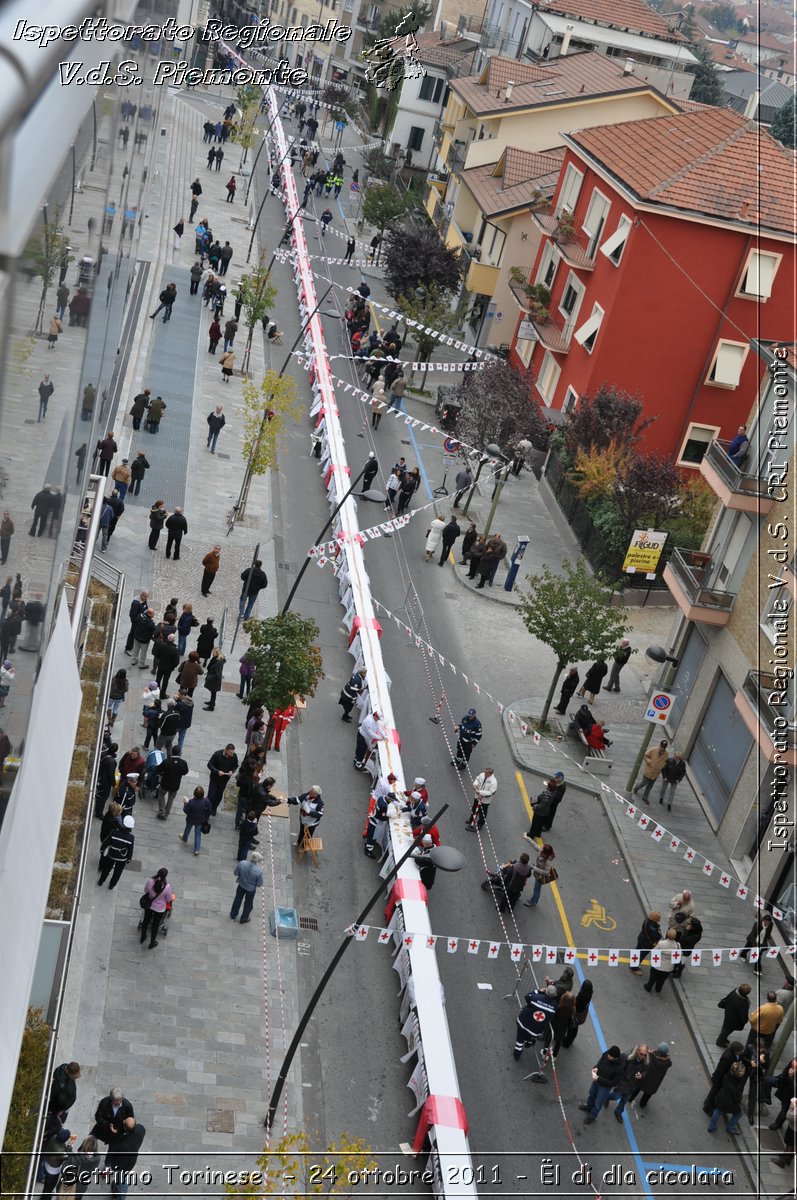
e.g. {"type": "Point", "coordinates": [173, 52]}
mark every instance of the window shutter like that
{"type": "Point", "coordinates": [613, 245]}
{"type": "Point", "coordinates": [760, 275]}
{"type": "Point", "coordinates": [728, 364]}
{"type": "Point", "coordinates": [590, 327]}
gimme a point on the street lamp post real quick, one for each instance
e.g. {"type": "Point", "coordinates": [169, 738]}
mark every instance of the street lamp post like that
{"type": "Point", "coordinates": [659, 655]}
{"type": "Point", "coordinates": [449, 860]}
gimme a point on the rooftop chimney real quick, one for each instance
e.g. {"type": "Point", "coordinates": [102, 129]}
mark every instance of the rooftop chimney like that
{"type": "Point", "coordinates": [508, 91]}
{"type": "Point", "coordinates": [744, 209]}
{"type": "Point", "coordinates": [752, 106]}
{"type": "Point", "coordinates": [566, 40]}
{"type": "Point", "coordinates": [628, 69]}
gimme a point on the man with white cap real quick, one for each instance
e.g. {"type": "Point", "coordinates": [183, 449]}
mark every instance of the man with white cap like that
{"type": "Point", "coordinates": [127, 793]}
{"type": "Point", "coordinates": [382, 797]}
{"type": "Point", "coordinates": [116, 852]}
{"type": "Point", "coordinates": [426, 867]}
{"type": "Point", "coordinates": [621, 657]}
{"type": "Point", "coordinates": [485, 786]}
{"type": "Point", "coordinates": [370, 731]}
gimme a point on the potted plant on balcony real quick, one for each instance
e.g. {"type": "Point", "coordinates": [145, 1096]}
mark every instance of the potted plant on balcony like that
{"type": "Point", "coordinates": [539, 294]}
{"type": "Point", "coordinates": [517, 275]}
{"type": "Point", "coordinates": [565, 230]}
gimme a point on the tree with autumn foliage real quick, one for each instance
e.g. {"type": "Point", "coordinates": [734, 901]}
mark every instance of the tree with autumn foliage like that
{"type": "Point", "coordinates": [611, 415]}
{"type": "Point", "coordinates": [287, 659]}
{"type": "Point", "coordinates": [596, 471]}
{"type": "Point", "coordinates": [257, 294]}
{"type": "Point", "coordinates": [498, 406]}
{"type": "Point", "coordinates": [267, 409]}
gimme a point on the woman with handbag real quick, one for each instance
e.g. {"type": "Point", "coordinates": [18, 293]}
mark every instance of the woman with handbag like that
{"type": "Point", "coordinates": [197, 817]}
{"type": "Point", "coordinates": [544, 872]}
{"type": "Point", "coordinates": [155, 900]}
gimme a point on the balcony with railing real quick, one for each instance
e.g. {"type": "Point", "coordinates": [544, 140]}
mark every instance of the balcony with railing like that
{"type": "Point", "coordinates": [437, 212]}
{"type": "Point", "coordinates": [518, 290]}
{"type": "Point", "coordinates": [689, 575]}
{"type": "Point", "coordinates": [455, 157]}
{"type": "Point", "coordinates": [552, 333]}
{"type": "Point", "coordinates": [736, 487]}
{"type": "Point", "coordinates": [577, 248]}
{"type": "Point", "coordinates": [766, 704]}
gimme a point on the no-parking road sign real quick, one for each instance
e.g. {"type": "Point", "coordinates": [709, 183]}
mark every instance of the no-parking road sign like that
{"type": "Point", "coordinates": [659, 707]}
{"type": "Point", "coordinates": [450, 445]}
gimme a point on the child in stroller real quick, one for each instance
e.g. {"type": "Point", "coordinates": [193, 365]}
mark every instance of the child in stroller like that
{"type": "Point", "coordinates": [150, 779]}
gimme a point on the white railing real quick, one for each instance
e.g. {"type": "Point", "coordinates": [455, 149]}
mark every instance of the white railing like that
{"type": "Point", "coordinates": [434, 1079]}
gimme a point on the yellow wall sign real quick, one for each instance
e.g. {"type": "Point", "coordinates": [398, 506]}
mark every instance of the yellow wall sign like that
{"type": "Point", "coordinates": [644, 551]}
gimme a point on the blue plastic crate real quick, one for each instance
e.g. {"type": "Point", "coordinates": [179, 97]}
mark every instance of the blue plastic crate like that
{"type": "Point", "coordinates": [286, 919]}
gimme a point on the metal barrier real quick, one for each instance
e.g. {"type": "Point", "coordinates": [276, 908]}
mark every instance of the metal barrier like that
{"type": "Point", "coordinates": [434, 1080]}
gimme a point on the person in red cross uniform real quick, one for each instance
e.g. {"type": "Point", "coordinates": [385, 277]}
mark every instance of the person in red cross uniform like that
{"type": "Point", "coordinates": [278, 722]}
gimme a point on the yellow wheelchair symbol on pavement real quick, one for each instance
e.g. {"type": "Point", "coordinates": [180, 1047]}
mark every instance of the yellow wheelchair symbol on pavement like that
{"type": "Point", "coordinates": [596, 915]}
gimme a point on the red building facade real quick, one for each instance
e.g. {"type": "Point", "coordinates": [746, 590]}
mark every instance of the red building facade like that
{"type": "Point", "coordinates": [669, 245]}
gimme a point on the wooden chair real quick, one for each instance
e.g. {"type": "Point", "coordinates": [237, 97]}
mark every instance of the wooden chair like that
{"type": "Point", "coordinates": [312, 846]}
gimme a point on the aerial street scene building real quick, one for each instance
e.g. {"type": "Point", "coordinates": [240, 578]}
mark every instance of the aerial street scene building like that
{"type": "Point", "coordinates": [317, 320]}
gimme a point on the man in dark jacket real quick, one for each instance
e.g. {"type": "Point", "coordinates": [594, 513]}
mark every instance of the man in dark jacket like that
{"type": "Point", "coordinates": [137, 469]}
{"type": "Point", "coordinates": [167, 299]}
{"type": "Point", "coordinates": [631, 1079]}
{"type": "Point", "coordinates": [737, 1010]}
{"type": "Point", "coordinates": [450, 534]}
{"type": "Point", "coordinates": [169, 728]}
{"type": "Point", "coordinates": [170, 774]}
{"type": "Point", "coordinates": [733, 1054]}
{"type": "Point", "coordinates": [572, 680]}
{"type": "Point", "coordinates": [42, 505]}
{"type": "Point", "coordinates": [176, 526]}
{"type": "Point", "coordinates": [672, 773]}
{"type": "Point", "coordinates": [106, 777]}
{"type": "Point", "coordinates": [143, 630]}
{"type": "Point", "coordinates": [785, 1086]}
{"type": "Point", "coordinates": [122, 1156]}
{"type": "Point", "coordinates": [620, 658]}
{"type": "Point", "coordinates": [688, 937]}
{"type": "Point", "coordinates": [222, 766]}
{"type": "Point", "coordinates": [469, 733]}
{"type": "Point", "coordinates": [606, 1075]}
{"type": "Point", "coordinates": [534, 1018]}
{"type": "Point", "coordinates": [63, 1090]}
{"type": "Point", "coordinates": [729, 1098]}
{"type": "Point", "coordinates": [106, 450]}
{"type": "Point", "coordinates": [216, 422]}
{"type": "Point", "coordinates": [117, 850]}
{"type": "Point", "coordinates": [139, 407]}
{"type": "Point", "coordinates": [166, 657]}
{"type": "Point", "coordinates": [112, 1111]}
{"type": "Point", "coordinates": [495, 552]}
{"type": "Point", "coordinates": [560, 787]}
{"type": "Point", "coordinates": [254, 580]}
{"type": "Point", "coordinates": [351, 692]}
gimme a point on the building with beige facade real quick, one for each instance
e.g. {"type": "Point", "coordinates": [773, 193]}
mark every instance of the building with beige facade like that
{"type": "Point", "coordinates": [497, 143]}
{"type": "Point", "coordinates": [735, 704]}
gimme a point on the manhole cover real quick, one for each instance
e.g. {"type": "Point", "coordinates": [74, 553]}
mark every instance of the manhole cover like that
{"type": "Point", "coordinates": [220, 1120]}
{"type": "Point", "coordinates": [308, 923]}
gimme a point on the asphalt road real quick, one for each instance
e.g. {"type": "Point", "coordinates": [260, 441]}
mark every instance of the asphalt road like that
{"type": "Point", "coordinates": [353, 1080]}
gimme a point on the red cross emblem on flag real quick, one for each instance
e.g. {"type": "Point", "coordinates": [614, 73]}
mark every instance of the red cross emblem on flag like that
{"type": "Point", "coordinates": [570, 955]}
{"type": "Point", "coordinates": [537, 952]}
{"type": "Point", "coordinates": [630, 811]}
{"type": "Point", "coordinates": [408, 940]}
{"type": "Point", "coordinates": [593, 958]}
{"type": "Point", "coordinates": [516, 951]}
{"type": "Point", "coordinates": [674, 843]}
{"type": "Point", "coordinates": [493, 949]}
{"type": "Point", "coordinates": [690, 854]}
{"type": "Point", "coordinates": [452, 945]}
{"type": "Point", "coordinates": [430, 941]}
{"type": "Point", "coordinates": [384, 935]}
{"type": "Point", "coordinates": [733, 954]}
{"type": "Point", "coordinates": [644, 822]}
{"type": "Point", "coordinates": [717, 956]}
{"type": "Point", "coordinates": [741, 892]}
{"type": "Point", "coordinates": [473, 947]}
{"type": "Point", "coordinates": [658, 833]}
{"type": "Point", "coordinates": [613, 957]}
{"type": "Point", "coordinates": [708, 867]}
{"type": "Point", "coordinates": [725, 880]}
{"type": "Point", "coordinates": [759, 902]}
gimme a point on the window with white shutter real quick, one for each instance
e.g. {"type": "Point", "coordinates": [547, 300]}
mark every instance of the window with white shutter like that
{"type": "Point", "coordinates": [568, 196]}
{"type": "Point", "coordinates": [614, 245]}
{"type": "Point", "coordinates": [586, 335]}
{"type": "Point", "coordinates": [759, 275]}
{"type": "Point", "coordinates": [726, 369]}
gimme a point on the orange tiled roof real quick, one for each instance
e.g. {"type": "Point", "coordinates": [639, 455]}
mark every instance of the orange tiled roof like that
{"type": "Point", "coordinates": [633, 16]}
{"type": "Point", "coordinates": [712, 162]}
{"type": "Point", "coordinates": [436, 51]}
{"type": "Point", "coordinates": [586, 74]}
{"type": "Point", "coordinates": [515, 181]}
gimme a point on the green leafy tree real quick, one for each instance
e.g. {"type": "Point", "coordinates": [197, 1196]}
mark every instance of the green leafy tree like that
{"type": "Point", "coordinates": [382, 205]}
{"type": "Point", "coordinates": [293, 1168]}
{"type": "Point", "coordinates": [287, 659]}
{"type": "Point", "coordinates": [248, 98]}
{"type": "Point", "coordinates": [784, 126]}
{"type": "Point", "coordinates": [722, 16]}
{"type": "Point", "coordinates": [571, 614]}
{"type": "Point", "coordinates": [610, 416]}
{"type": "Point", "coordinates": [498, 406]}
{"type": "Point", "coordinates": [707, 88]}
{"type": "Point", "coordinates": [377, 163]}
{"type": "Point", "coordinates": [268, 407]}
{"type": "Point", "coordinates": [257, 294]}
{"type": "Point", "coordinates": [338, 99]}
{"type": "Point", "coordinates": [47, 253]}
{"type": "Point", "coordinates": [433, 311]}
{"type": "Point", "coordinates": [414, 256]}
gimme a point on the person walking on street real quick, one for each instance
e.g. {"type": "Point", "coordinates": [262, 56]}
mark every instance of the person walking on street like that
{"type": "Point", "coordinates": [122, 477]}
{"type": "Point", "coordinates": [186, 622]}
{"type": "Point", "coordinates": [225, 258]}
{"type": "Point", "coordinates": [659, 1063]}
{"type": "Point", "coordinates": [157, 519]}
{"type": "Point", "coordinates": [219, 157]}
{"type": "Point", "coordinates": [222, 765]}
{"type": "Point", "coordinates": [116, 852]}
{"type": "Point", "coordinates": [485, 786]}
{"type": "Point", "coordinates": [559, 789]}
{"type": "Point", "coordinates": [660, 973]}
{"type": "Point", "coordinates": [619, 659]}
{"type": "Point", "coordinates": [350, 246]}
{"type": "Point", "coordinates": [216, 422]}
{"type": "Point", "coordinates": [654, 761]}
{"type": "Point", "coordinates": [167, 299]}
{"type": "Point", "coordinates": [171, 773]}
{"type": "Point", "coordinates": [139, 407]}
{"type": "Point", "coordinates": [254, 580]}
{"type": "Point", "coordinates": [758, 1093]}
{"type": "Point", "coordinates": [463, 481]}
{"type": "Point", "coordinates": [143, 633]}
{"type": "Point", "coordinates": [672, 773]}
{"type": "Point", "coordinates": [63, 1089]}
{"type": "Point", "coordinates": [736, 1006]}
{"type": "Point", "coordinates": [177, 527]}
{"type": "Point", "coordinates": [116, 694]}
{"type": "Point", "coordinates": [544, 872]}
{"type": "Point", "coordinates": [57, 1149]}
{"type": "Point", "coordinates": [689, 935]}
{"type": "Point", "coordinates": [580, 1013]}
{"type": "Point", "coordinates": [542, 807]}
{"type": "Point", "coordinates": [155, 414]}
{"type": "Point", "coordinates": [351, 692]}
{"type": "Point", "coordinates": [231, 189]}
{"type": "Point", "coordinates": [159, 895]}
{"type": "Point", "coordinates": [534, 1018]}
{"type": "Point", "coordinates": [785, 1085]}
{"type": "Point", "coordinates": [606, 1075]}
{"type": "Point", "coordinates": [6, 534]}
{"type": "Point", "coordinates": [311, 810]}
{"type": "Point", "coordinates": [249, 874]}
{"type": "Point", "coordinates": [732, 1054]}
{"type": "Point", "coordinates": [184, 707]}
{"type": "Point", "coordinates": [138, 605]}
{"type": "Point", "coordinates": [514, 877]}
{"type": "Point", "coordinates": [632, 1077]}
{"type": "Point", "coordinates": [789, 1137]}
{"type": "Point", "coordinates": [138, 468]}
{"type": "Point", "coordinates": [205, 639]}
{"type": "Point", "coordinates": [122, 1156]}
{"type": "Point", "coordinates": [764, 1021]}
{"type": "Point", "coordinates": [682, 906]}
{"type": "Point", "coordinates": [759, 937]}
{"type": "Point", "coordinates": [214, 335]}
{"type": "Point", "coordinates": [729, 1099]}
{"type": "Point", "coordinates": [165, 656]}
{"type": "Point", "coordinates": [106, 450]}
{"type": "Point", "coordinates": [593, 679]}
{"type": "Point", "coordinates": [469, 734]}
{"type": "Point", "coordinates": [46, 390]}
{"type": "Point", "coordinates": [56, 327]}
{"type": "Point", "coordinates": [450, 534]}
{"type": "Point", "coordinates": [197, 815]}
{"type": "Point", "coordinates": [214, 677]}
{"type": "Point", "coordinates": [569, 686]}
{"type": "Point", "coordinates": [196, 274]}
{"type": "Point", "coordinates": [210, 565]}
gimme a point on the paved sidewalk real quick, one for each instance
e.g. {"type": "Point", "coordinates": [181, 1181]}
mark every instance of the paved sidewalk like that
{"type": "Point", "coordinates": [194, 1030]}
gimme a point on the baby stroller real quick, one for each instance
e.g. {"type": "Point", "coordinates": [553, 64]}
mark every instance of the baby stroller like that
{"type": "Point", "coordinates": [150, 780]}
{"type": "Point", "coordinates": [166, 920]}
{"type": "Point", "coordinates": [495, 880]}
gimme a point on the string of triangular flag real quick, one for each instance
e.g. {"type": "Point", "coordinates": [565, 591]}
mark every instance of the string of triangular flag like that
{"type": "Point", "coordinates": [405, 365]}
{"type": "Point", "coordinates": [659, 833]}
{"type": "Point", "coordinates": [323, 551]}
{"type": "Point", "coordinates": [551, 955]}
